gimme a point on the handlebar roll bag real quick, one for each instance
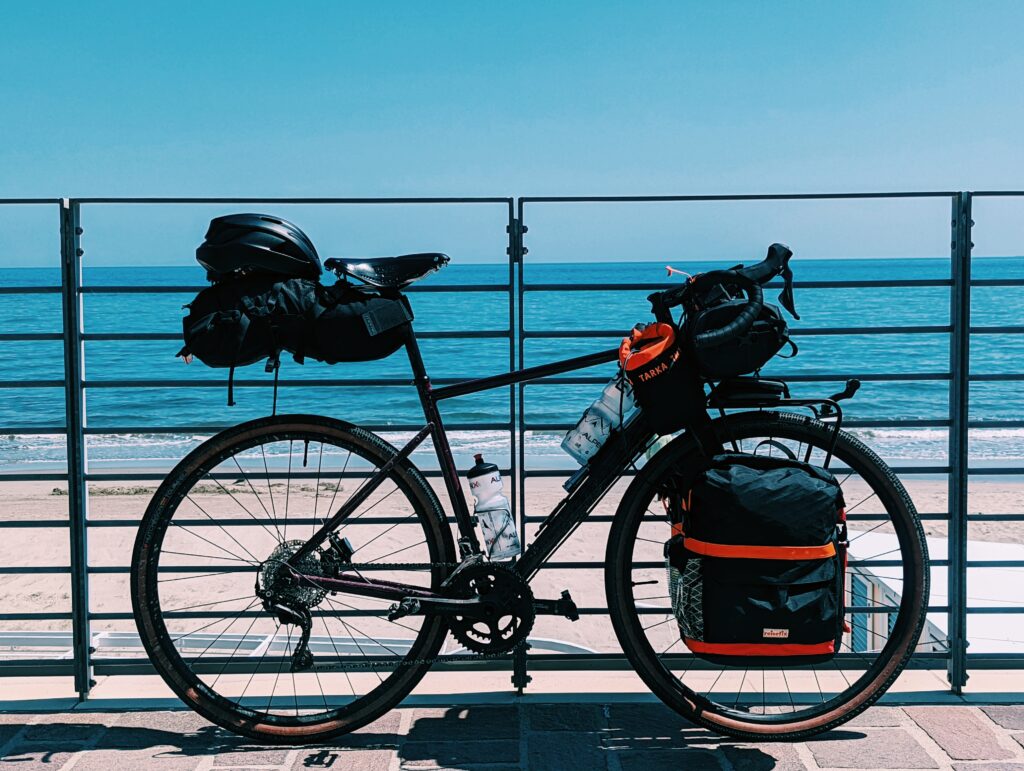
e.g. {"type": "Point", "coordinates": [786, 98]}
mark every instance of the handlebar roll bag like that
{"type": "Point", "coordinates": [741, 355]}
{"type": "Point", "coordinates": [756, 561]}
{"type": "Point", "coordinates": [666, 387]}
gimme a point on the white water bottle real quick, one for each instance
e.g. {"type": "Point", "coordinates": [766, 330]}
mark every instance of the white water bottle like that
{"type": "Point", "coordinates": [493, 512]}
{"type": "Point", "coordinates": [599, 420]}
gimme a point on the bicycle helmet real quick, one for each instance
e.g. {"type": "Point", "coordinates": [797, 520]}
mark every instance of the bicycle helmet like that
{"type": "Point", "coordinates": [257, 243]}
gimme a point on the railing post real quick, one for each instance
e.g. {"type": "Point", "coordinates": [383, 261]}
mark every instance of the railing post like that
{"type": "Point", "coordinates": [516, 251]}
{"type": "Point", "coordinates": [960, 364]}
{"type": "Point", "coordinates": [71, 281]}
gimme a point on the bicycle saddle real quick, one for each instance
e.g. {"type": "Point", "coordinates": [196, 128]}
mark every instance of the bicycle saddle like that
{"type": "Point", "coordinates": [389, 272]}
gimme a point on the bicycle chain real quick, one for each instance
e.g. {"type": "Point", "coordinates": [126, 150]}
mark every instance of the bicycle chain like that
{"type": "Point", "coordinates": [469, 658]}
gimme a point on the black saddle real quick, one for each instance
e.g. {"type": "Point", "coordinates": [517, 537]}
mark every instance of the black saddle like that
{"type": "Point", "coordinates": [389, 272]}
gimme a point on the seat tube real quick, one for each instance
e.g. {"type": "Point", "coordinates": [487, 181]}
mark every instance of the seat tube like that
{"type": "Point", "coordinates": [468, 542]}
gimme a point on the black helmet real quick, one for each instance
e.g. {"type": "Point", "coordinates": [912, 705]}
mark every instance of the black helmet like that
{"type": "Point", "coordinates": [257, 243]}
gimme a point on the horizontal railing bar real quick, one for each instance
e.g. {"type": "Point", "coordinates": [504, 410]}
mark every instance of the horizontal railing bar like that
{"type": "Point", "coordinates": [656, 286]}
{"type": "Point", "coordinates": [809, 378]}
{"type": "Point", "coordinates": [195, 288]}
{"type": "Point", "coordinates": [246, 521]}
{"type": "Point", "coordinates": [156, 477]}
{"type": "Point", "coordinates": [997, 282]}
{"type": "Point", "coordinates": [991, 610]}
{"type": "Point", "coordinates": [378, 427]}
{"type": "Point", "coordinates": [548, 472]}
{"type": "Point", "coordinates": [30, 290]}
{"type": "Point", "coordinates": [40, 430]}
{"type": "Point", "coordinates": [808, 332]}
{"type": "Point", "coordinates": [996, 378]}
{"type": "Point", "coordinates": [302, 200]}
{"type": "Point", "coordinates": [283, 383]}
{"type": "Point", "coordinates": [30, 336]}
{"type": "Point", "coordinates": [35, 616]}
{"type": "Point", "coordinates": [1005, 330]}
{"type": "Point", "coordinates": [847, 423]}
{"type": "Point", "coordinates": [34, 476]}
{"type": "Point", "coordinates": [995, 472]}
{"type": "Point", "coordinates": [439, 335]}
{"type": "Point", "coordinates": [35, 569]}
{"type": "Point", "coordinates": [995, 517]}
{"type": "Point", "coordinates": [20, 201]}
{"type": "Point", "coordinates": [734, 197]}
{"type": "Point", "coordinates": [31, 383]}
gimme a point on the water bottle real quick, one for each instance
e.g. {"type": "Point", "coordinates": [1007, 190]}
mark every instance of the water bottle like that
{"type": "Point", "coordinates": [599, 420]}
{"type": "Point", "coordinates": [493, 512]}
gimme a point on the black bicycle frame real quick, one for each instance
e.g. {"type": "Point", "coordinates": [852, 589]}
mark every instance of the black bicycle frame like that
{"type": "Point", "coordinates": [621, 448]}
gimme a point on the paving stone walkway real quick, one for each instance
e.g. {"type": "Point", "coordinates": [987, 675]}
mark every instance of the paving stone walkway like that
{"type": "Point", "coordinates": [538, 737]}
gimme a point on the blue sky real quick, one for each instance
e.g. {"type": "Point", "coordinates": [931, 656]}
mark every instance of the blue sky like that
{"type": "Point", "coordinates": [460, 98]}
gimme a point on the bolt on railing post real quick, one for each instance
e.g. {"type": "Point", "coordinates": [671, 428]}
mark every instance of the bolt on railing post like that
{"type": "Point", "coordinates": [71, 297]}
{"type": "Point", "coordinates": [960, 364]}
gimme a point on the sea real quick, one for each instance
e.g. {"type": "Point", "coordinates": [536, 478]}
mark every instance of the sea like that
{"type": "Point", "coordinates": [138, 413]}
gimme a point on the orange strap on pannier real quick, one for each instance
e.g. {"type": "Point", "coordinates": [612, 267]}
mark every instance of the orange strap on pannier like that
{"type": "Point", "coordinates": [737, 551]}
{"type": "Point", "coordinates": [643, 346]}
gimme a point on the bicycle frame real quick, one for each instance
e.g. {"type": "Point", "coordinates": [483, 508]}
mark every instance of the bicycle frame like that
{"type": "Point", "coordinates": [621, 448]}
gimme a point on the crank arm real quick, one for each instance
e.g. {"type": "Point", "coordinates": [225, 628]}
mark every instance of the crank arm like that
{"type": "Point", "coordinates": [563, 606]}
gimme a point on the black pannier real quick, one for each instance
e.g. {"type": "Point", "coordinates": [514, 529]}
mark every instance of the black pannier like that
{"type": "Point", "coordinates": [756, 561]}
{"type": "Point", "coordinates": [744, 354]}
{"type": "Point", "coordinates": [249, 318]}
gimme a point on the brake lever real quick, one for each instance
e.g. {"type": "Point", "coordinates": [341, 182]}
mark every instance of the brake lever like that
{"type": "Point", "coordinates": [786, 295]}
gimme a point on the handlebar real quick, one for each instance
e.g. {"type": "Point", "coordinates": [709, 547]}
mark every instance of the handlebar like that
{"type": "Point", "coordinates": [749, 280]}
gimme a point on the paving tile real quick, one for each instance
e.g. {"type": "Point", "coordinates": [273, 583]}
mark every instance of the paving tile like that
{"type": "Point", "coordinates": [443, 754]}
{"type": "Point", "coordinates": [22, 758]}
{"type": "Point", "coordinates": [988, 767]}
{"type": "Point", "coordinates": [344, 760]}
{"type": "Point", "coordinates": [877, 748]}
{"type": "Point", "coordinates": [763, 757]}
{"type": "Point", "coordinates": [455, 724]}
{"type": "Point", "coordinates": [152, 759]}
{"type": "Point", "coordinates": [877, 717]}
{"type": "Point", "coordinates": [669, 760]}
{"type": "Point", "coordinates": [256, 756]}
{"type": "Point", "coordinates": [588, 718]}
{"type": "Point", "coordinates": [380, 733]}
{"type": "Point", "coordinates": [960, 732]}
{"type": "Point", "coordinates": [1008, 716]}
{"type": "Point", "coordinates": [557, 751]}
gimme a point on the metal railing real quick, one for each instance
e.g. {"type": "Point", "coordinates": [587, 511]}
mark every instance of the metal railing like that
{"type": "Point", "coordinates": [84, 661]}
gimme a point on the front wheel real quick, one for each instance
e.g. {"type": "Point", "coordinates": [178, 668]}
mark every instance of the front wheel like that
{"type": "Point", "coordinates": [886, 585]}
{"type": "Point", "coordinates": [211, 547]}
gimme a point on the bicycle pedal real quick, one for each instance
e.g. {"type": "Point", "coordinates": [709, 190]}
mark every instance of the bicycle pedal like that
{"type": "Point", "coordinates": [563, 606]}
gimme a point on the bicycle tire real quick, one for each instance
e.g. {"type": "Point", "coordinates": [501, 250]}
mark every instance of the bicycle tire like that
{"type": "Point", "coordinates": [177, 672]}
{"type": "Point", "coordinates": [890, 662]}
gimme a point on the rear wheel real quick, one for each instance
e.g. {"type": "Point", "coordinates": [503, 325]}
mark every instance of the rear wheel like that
{"type": "Point", "coordinates": [886, 585]}
{"type": "Point", "coordinates": [217, 532]}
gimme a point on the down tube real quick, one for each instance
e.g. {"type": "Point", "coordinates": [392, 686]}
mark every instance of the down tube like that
{"type": "Point", "coordinates": [606, 469]}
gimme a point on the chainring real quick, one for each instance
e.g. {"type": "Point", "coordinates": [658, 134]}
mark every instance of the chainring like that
{"type": "Point", "coordinates": [508, 608]}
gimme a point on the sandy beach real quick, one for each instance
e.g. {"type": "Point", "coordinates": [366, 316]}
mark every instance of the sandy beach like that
{"type": "Point", "coordinates": [110, 547]}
